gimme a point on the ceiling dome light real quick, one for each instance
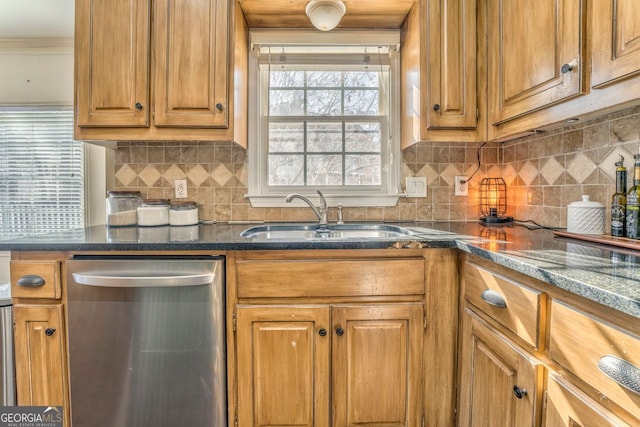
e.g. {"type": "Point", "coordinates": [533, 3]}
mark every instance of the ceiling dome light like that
{"type": "Point", "coordinates": [325, 15]}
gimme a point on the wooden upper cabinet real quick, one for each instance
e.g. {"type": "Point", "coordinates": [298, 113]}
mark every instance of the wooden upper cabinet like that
{"type": "Point", "coordinates": [167, 70]}
{"type": "Point", "coordinates": [451, 77]}
{"type": "Point", "coordinates": [535, 55]}
{"type": "Point", "coordinates": [615, 41]}
{"type": "Point", "coordinates": [438, 73]}
{"type": "Point", "coordinates": [191, 43]}
{"type": "Point", "coordinates": [112, 61]}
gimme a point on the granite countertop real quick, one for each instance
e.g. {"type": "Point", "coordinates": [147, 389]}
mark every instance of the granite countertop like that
{"type": "Point", "coordinates": [611, 278]}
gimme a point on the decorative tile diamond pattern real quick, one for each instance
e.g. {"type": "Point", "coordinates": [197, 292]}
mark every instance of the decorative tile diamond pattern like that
{"type": "Point", "coordinates": [126, 175]}
{"type": "Point", "coordinates": [197, 175]}
{"type": "Point", "coordinates": [221, 174]}
{"type": "Point", "coordinates": [430, 173]}
{"type": "Point", "coordinates": [580, 167]}
{"type": "Point", "coordinates": [449, 174]}
{"type": "Point", "coordinates": [150, 175]}
{"type": "Point", "coordinates": [528, 173]}
{"type": "Point", "coordinates": [551, 170]}
{"type": "Point", "coordinates": [242, 176]}
{"type": "Point", "coordinates": [509, 174]}
{"type": "Point", "coordinates": [608, 165]}
{"type": "Point", "coordinates": [174, 172]}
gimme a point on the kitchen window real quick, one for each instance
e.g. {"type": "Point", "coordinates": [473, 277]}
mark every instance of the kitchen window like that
{"type": "Point", "coordinates": [324, 116]}
{"type": "Point", "coordinates": [41, 172]}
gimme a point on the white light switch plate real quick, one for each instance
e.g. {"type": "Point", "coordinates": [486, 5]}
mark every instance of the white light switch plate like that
{"type": "Point", "coordinates": [416, 186]}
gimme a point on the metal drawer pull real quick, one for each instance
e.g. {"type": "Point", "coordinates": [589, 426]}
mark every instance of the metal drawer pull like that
{"type": "Point", "coordinates": [621, 371]}
{"type": "Point", "coordinates": [493, 298]}
{"type": "Point", "coordinates": [31, 281]}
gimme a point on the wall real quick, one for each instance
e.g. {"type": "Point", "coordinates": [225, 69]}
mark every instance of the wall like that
{"type": "Point", "coordinates": [217, 180]}
{"type": "Point", "coordinates": [544, 173]}
{"type": "Point", "coordinates": [36, 71]}
{"type": "Point", "coordinates": [40, 72]}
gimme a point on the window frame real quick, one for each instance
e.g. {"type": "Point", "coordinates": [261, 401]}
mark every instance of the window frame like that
{"type": "Point", "coordinates": [260, 193]}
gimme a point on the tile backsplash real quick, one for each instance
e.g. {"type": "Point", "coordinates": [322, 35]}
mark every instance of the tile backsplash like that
{"type": "Point", "coordinates": [543, 172]}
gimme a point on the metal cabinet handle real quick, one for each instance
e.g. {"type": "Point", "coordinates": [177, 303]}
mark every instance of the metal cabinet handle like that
{"type": "Point", "coordinates": [519, 392]}
{"type": "Point", "coordinates": [49, 331]}
{"type": "Point", "coordinates": [31, 281]}
{"type": "Point", "coordinates": [339, 331]}
{"type": "Point", "coordinates": [322, 332]}
{"type": "Point", "coordinates": [436, 107]}
{"type": "Point", "coordinates": [138, 106]}
{"type": "Point", "coordinates": [493, 298]}
{"type": "Point", "coordinates": [621, 371]}
{"type": "Point", "coordinates": [219, 106]}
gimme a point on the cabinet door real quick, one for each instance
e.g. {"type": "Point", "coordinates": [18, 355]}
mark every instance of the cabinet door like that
{"type": "Point", "coordinates": [191, 63]}
{"type": "Point", "coordinates": [451, 42]}
{"type": "Point", "coordinates": [535, 50]}
{"type": "Point", "coordinates": [565, 406]}
{"type": "Point", "coordinates": [500, 384]}
{"type": "Point", "coordinates": [377, 365]}
{"type": "Point", "coordinates": [283, 366]}
{"type": "Point", "coordinates": [40, 355]}
{"type": "Point", "coordinates": [615, 40]}
{"type": "Point", "coordinates": [112, 62]}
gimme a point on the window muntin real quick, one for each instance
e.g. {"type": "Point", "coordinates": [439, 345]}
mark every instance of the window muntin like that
{"type": "Point", "coordinates": [323, 121]}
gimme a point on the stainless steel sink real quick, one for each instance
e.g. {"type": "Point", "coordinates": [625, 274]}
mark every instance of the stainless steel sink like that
{"type": "Point", "coordinates": [325, 232]}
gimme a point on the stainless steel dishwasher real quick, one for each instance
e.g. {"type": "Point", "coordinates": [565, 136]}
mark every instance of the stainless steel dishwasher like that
{"type": "Point", "coordinates": [147, 341]}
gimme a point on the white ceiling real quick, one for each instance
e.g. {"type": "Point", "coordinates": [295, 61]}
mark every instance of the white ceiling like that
{"type": "Point", "coordinates": [36, 18]}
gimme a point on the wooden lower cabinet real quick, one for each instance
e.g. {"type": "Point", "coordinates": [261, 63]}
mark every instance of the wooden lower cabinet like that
{"type": "Point", "coordinates": [322, 365]}
{"type": "Point", "coordinates": [40, 353]}
{"type": "Point", "coordinates": [566, 406]}
{"type": "Point", "coordinates": [500, 383]}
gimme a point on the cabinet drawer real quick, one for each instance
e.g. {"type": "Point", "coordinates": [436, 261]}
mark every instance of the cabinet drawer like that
{"type": "Point", "coordinates": [35, 279]}
{"type": "Point", "coordinates": [513, 305]}
{"type": "Point", "coordinates": [330, 278]}
{"type": "Point", "coordinates": [566, 406]}
{"type": "Point", "coordinates": [597, 352]}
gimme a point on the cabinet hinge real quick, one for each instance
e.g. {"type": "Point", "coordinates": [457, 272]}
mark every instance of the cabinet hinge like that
{"type": "Point", "coordinates": [477, 113]}
{"type": "Point", "coordinates": [235, 423]}
{"type": "Point", "coordinates": [422, 420]}
{"type": "Point", "coordinates": [424, 321]}
{"type": "Point", "coordinates": [235, 322]}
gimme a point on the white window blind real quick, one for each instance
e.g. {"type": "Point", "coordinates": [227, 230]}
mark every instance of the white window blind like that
{"type": "Point", "coordinates": [41, 172]}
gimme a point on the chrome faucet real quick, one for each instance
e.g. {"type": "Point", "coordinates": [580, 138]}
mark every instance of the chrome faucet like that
{"type": "Point", "coordinates": [320, 211]}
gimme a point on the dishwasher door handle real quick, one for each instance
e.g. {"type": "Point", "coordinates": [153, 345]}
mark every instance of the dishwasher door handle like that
{"type": "Point", "coordinates": [142, 281]}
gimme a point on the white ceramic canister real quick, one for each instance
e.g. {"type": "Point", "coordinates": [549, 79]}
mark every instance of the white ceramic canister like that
{"type": "Point", "coordinates": [183, 213]}
{"type": "Point", "coordinates": [153, 212]}
{"type": "Point", "coordinates": [585, 217]}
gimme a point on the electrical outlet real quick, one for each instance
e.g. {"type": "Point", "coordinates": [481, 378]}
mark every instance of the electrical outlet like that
{"type": "Point", "coordinates": [181, 188]}
{"type": "Point", "coordinates": [461, 186]}
{"type": "Point", "coordinates": [416, 186]}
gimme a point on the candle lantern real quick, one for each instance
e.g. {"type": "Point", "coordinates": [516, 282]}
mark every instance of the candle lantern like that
{"type": "Point", "coordinates": [493, 201]}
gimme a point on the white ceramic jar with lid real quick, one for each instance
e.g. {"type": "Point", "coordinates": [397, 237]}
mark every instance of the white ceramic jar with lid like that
{"type": "Point", "coordinates": [183, 213]}
{"type": "Point", "coordinates": [153, 213]}
{"type": "Point", "coordinates": [585, 217]}
{"type": "Point", "coordinates": [122, 208]}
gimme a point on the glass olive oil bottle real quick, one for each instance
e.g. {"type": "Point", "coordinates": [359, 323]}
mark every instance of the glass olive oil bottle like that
{"type": "Point", "coordinates": [619, 201]}
{"type": "Point", "coordinates": [633, 202]}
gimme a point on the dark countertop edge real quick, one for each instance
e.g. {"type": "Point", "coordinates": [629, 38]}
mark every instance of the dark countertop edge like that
{"type": "Point", "coordinates": [573, 286]}
{"type": "Point", "coordinates": [199, 246]}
